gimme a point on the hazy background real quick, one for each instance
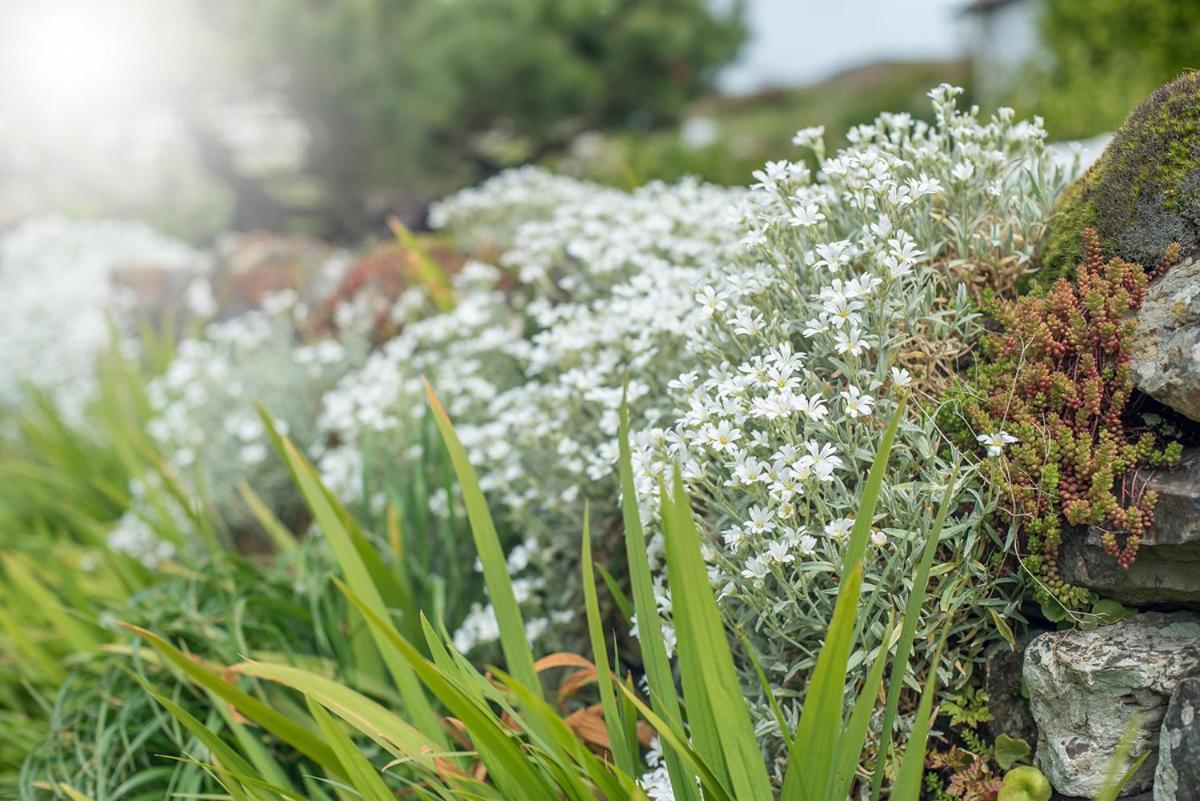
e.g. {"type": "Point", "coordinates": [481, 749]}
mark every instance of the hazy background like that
{"type": "Point", "coordinates": [800, 41]}
{"type": "Point", "coordinates": [327, 118]}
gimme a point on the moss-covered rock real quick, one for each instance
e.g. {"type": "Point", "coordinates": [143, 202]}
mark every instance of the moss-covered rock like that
{"type": "Point", "coordinates": [1144, 192]}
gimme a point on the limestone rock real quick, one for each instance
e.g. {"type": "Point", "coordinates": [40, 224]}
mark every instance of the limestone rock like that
{"type": "Point", "coordinates": [1086, 686]}
{"type": "Point", "coordinates": [1177, 777]}
{"type": "Point", "coordinates": [1165, 349]}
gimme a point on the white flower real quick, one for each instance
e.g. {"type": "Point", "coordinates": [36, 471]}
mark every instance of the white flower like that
{"type": "Point", "coordinates": [878, 538]}
{"type": "Point", "coordinates": [995, 442]}
{"type": "Point", "coordinates": [850, 341]}
{"type": "Point", "coordinates": [963, 171]}
{"type": "Point", "coordinates": [901, 377]}
{"type": "Point", "coordinates": [756, 570]}
{"type": "Point", "coordinates": [857, 404]}
{"type": "Point", "coordinates": [834, 255]}
{"type": "Point", "coordinates": [778, 553]}
{"type": "Point", "coordinates": [838, 529]}
{"type": "Point", "coordinates": [812, 138]}
{"type": "Point", "coordinates": [734, 537]}
{"type": "Point", "coordinates": [821, 460]}
{"type": "Point", "coordinates": [711, 302]}
{"type": "Point", "coordinates": [761, 521]}
{"type": "Point", "coordinates": [806, 215]}
{"type": "Point", "coordinates": [722, 436]}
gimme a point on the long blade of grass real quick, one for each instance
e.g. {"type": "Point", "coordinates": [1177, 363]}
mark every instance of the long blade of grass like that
{"type": "Point", "coordinates": [1114, 781]}
{"type": "Point", "coordinates": [513, 771]}
{"type": "Point", "coordinates": [811, 760]}
{"type": "Point", "coordinates": [624, 605]}
{"type": "Point", "coordinates": [907, 786]}
{"type": "Point", "coordinates": [654, 650]}
{"type": "Point", "coordinates": [283, 539]}
{"type": "Point", "coordinates": [229, 762]}
{"type": "Point", "coordinates": [908, 632]}
{"type": "Point", "coordinates": [565, 746]}
{"type": "Point", "coordinates": [517, 653]}
{"type": "Point", "coordinates": [673, 738]}
{"type": "Point", "coordinates": [349, 552]}
{"type": "Point", "coordinates": [363, 776]}
{"type": "Point", "coordinates": [372, 719]}
{"type": "Point", "coordinates": [855, 736]}
{"type": "Point", "coordinates": [289, 731]}
{"type": "Point", "coordinates": [622, 749]}
{"type": "Point", "coordinates": [704, 653]}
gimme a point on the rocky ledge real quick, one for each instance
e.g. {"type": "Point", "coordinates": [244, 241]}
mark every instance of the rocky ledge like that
{"type": "Point", "coordinates": [1167, 569]}
{"type": "Point", "coordinates": [1087, 688]}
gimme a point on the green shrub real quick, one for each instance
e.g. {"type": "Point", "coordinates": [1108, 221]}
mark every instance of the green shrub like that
{"type": "Point", "coordinates": [1102, 57]}
{"type": "Point", "coordinates": [413, 99]}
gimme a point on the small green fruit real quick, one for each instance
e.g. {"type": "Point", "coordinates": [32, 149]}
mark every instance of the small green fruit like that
{"type": "Point", "coordinates": [1025, 784]}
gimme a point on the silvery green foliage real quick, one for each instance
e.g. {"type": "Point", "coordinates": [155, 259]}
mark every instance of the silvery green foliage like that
{"type": "Point", "coordinates": [60, 297]}
{"type": "Point", "coordinates": [845, 299]}
{"type": "Point", "coordinates": [532, 377]}
{"type": "Point", "coordinates": [206, 424]}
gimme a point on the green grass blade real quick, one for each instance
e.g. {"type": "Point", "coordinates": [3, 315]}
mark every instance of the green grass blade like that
{"type": "Point", "coordinates": [907, 786]}
{"type": "Point", "coordinates": [372, 719]}
{"type": "Point", "coordinates": [565, 746]}
{"type": "Point", "coordinates": [673, 738]}
{"type": "Point", "coordinates": [621, 748]}
{"type": "Point", "coordinates": [624, 605]}
{"type": "Point", "coordinates": [1114, 781]}
{"type": "Point", "coordinates": [704, 654]}
{"type": "Point", "coordinates": [513, 772]}
{"type": "Point", "coordinates": [768, 691]}
{"type": "Point", "coordinates": [654, 650]}
{"type": "Point", "coordinates": [362, 774]}
{"type": "Point", "coordinates": [912, 615]}
{"type": "Point", "coordinates": [349, 552]}
{"type": "Point", "coordinates": [855, 736]}
{"type": "Point", "coordinates": [289, 731]}
{"type": "Point", "coordinates": [283, 539]}
{"type": "Point", "coordinates": [517, 653]}
{"type": "Point", "coordinates": [812, 758]}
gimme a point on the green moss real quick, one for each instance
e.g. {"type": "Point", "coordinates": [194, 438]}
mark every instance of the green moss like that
{"type": "Point", "coordinates": [1144, 192]}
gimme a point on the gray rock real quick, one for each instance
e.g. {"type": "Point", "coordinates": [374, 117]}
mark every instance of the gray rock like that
{"type": "Point", "coordinates": [1007, 707]}
{"type": "Point", "coordinates": [1177, 777]}
{"type": "Point", "coordinates": [1086, 686]}
{"type": "Point", "coordinates": [1165, 349]}
{"type": "Point", "coordinates": [1167, 568]}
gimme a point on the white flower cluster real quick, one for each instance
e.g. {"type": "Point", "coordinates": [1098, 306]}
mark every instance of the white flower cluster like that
{"type": "Point", "coordinates": [375, 413]}
{"type": "Point", "coordinates": [488, 216]}
{"type": "Point", "coordinates": [60, 298]}
{"type": "Point", "coordinates": [846, 298]}
{"type": "Point", "coordinates": [206, 424]}
{"type": "Point", "coordinates": [533, 376]}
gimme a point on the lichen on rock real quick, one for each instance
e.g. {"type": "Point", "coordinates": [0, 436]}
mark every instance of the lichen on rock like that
{"type": "Point", "coordinates": [1144, 192]}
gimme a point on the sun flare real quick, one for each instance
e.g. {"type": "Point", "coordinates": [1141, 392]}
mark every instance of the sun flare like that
{"type": "Point", "coordinates": [63, 57]}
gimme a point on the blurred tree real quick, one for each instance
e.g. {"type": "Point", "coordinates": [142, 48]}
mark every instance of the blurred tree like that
{"type": "Point", "coordinates": [407, 99]}
{"type": "Point", "coordinates": [1104, 57]}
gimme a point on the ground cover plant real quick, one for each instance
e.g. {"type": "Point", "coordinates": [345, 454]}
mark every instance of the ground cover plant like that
{"type": "Point", "coordinates": [1051, 392]}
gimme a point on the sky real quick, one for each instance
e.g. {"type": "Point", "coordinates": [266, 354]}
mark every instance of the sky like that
{"type": "Point", "coordinates": [800, 41]}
